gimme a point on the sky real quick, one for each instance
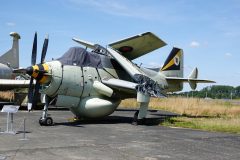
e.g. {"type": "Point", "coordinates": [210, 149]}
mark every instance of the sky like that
{"type": "Point", "coordinates": [207, 31]}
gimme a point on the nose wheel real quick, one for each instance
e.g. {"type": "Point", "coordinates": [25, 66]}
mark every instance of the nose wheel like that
{"type": "Point", "coordinates": [48, 121]}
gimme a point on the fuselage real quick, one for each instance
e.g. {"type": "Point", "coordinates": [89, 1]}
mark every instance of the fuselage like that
{"type": "Point", "coordinates": [70, 83]}
{"type": "Point", "coordinates": [72, 86]}
{"type": "Point", "coordinates": [5, 72]}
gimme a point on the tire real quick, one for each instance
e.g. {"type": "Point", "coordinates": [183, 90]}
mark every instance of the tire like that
{"type": "Point", "coordinates": [49, 121]}
{"type": "Point", "coordinates": [46, 122]}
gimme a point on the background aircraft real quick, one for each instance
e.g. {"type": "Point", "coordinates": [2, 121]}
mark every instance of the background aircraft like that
{"type": "Point", "coordinates": [8, 62]}
{"type": "Point", "coordinates": [10, 59]}
{"type": "Point", "coordinates": [92, 84]}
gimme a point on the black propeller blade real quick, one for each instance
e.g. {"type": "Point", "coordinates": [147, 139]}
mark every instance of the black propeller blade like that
{"type": "Point", "coordinates": [30, 94]}
{"type": "Point", "coordinates": [34, 49]}
{"type": "Point", "coordinates": [44, 50]}
{"type": "Point", "coordinates": [33, 62]}
{"type": "Point", "coordinates": [35, 95]}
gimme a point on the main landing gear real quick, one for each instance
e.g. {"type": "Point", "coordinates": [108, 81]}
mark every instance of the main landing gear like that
{"type": "Point", "coordinates": [137, 121]}
{"type": "Point", "coordinates": [139, 117]}
{"type": "Point", "coordinates": [46, 120]}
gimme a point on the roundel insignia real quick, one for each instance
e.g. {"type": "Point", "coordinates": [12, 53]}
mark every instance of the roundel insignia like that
{"type": "Point", "coordinates": [125, 49]}
{"type": "Point", "coordinates": [176, 60]}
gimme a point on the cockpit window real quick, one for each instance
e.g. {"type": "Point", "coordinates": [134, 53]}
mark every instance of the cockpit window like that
{"type": "Point", "coordinates": [81, 57]}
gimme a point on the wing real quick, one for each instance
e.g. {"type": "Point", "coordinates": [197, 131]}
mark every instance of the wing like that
{"type": "Point", "coordinates": [137, 46]}
{"type": "Point", "coordinates": [145, 85]}
{"type": "Point", "coordinates": [124, 89]}
{"type": "Point", "coordinates": [8, 84]}
{"type": "Point", "coordinates": [120, 84]}
{"type": "Point", "coordinates": [84, 43]}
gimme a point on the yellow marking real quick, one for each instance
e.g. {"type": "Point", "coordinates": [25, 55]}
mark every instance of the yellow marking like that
{"type": "Point", "coordinates": [35, 74]}
{"type": "Point", "coordinates": [45, 66]}
{"type": "Point", "coordinates": [170, 63]}
{"type": "Point", "coordinates": [74, 119]}
{"type": "Point", "coordinates": [45, 77]}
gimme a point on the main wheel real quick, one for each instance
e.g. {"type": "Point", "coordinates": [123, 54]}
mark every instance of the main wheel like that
{"type": "Point", "coordinates": [48, 121]}
{"type": "Point", "coordinates": [135, 118]}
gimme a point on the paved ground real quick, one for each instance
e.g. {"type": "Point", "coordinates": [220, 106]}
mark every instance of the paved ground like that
{"type": "Point", "coordinates": [112, 138]}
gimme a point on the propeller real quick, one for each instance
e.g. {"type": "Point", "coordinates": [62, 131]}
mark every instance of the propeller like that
{"type": "Point", "coordinates": [33, 62]}
{"type": "Point", "coordinates": [33, 91]}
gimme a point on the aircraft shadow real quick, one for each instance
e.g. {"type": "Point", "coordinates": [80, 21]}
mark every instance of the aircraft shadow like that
{"type": "Point", "coordinates": [114, 119]}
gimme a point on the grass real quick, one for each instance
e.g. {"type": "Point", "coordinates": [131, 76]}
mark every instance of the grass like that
{"type": "Point", "coordinates": [6, 96]}
{"type": "Point", "coordinates": [210, 115]}
{"type": "Point", "coordinates": [230, 125]}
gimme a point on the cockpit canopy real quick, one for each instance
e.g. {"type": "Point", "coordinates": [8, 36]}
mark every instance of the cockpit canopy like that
{"type": "Point", "coordinates": [79, 56]}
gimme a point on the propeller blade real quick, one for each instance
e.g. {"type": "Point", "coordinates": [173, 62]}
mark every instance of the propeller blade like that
{"type": "Point", "coordinates": [34, 49]}
{"type": "Point", "coordinates": [44, 49]}
{"type": "Point", "coordinates": [20, 70]}
{"type": "Point", "coordinates": [30, 94]}
{"type": "Point", "coordinates": [35, 95]}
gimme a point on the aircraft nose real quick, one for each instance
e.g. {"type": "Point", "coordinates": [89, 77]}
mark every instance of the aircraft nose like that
{"type": "Point", "coordinates": [34, 70]}
{"type": "Point", "coordinates": [29, 70]}
{"type": "Point", "coordinates": [39, 72]}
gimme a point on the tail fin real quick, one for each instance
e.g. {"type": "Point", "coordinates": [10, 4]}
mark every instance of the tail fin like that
{"type": "Point", "coordinates": [173, 66]}
{"type": "Point", "coordinates": [11, 57]}
{"type": "Point", "coordinates": [193, 75]}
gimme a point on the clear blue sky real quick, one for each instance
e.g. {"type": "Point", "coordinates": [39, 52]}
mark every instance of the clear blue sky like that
{"type": "Point", "coordinates": [207, 31]}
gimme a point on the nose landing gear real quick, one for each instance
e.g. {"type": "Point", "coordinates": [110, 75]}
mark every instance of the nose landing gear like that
{"type": "Point", "coordinates": [46, 120]}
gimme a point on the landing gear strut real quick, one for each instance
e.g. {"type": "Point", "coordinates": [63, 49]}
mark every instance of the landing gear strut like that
{"type": "Point", "coordinates": [137, 121]}
{"type": "Point", "coordinates": [139, 117]}
{"type": "Point", "coordinates": [135, 118]}
{"type": "Point", "coordinates": [46, 120]}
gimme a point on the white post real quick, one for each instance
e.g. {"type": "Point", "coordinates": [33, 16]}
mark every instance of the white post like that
{"type": "Point", "coordinates": [11, 122]}
{"type": "Point", "coordinates": [7, 121]}
{"type": "Point", "coordinates": [24, 128]}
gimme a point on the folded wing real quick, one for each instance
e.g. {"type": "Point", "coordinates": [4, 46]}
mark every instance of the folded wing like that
{"type": "Point", "coordinates": [8, 84]}
{"type": "Point", "coordinates": [139, 45]}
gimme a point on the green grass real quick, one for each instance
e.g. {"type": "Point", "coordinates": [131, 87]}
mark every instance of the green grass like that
{"type": "Point", "coordinates": [229, 125]}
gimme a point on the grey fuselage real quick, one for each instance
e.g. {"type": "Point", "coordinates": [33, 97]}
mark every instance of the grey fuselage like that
{"type": "Point", "coordinates": [5, 72]}
{"type": "Point", "coordinates": [72, 86]}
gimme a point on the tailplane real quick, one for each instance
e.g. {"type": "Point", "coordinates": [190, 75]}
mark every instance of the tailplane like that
{"type": "Point", "coordinates": [192, 80]}
{"type": "Point", "coordinates": [11, 57]}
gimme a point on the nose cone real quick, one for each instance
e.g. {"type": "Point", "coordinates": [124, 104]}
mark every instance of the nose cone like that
{"type": "Point", "coordinates": [39, 72]}
{"type": "Point", "coordinates": [29, 70]}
